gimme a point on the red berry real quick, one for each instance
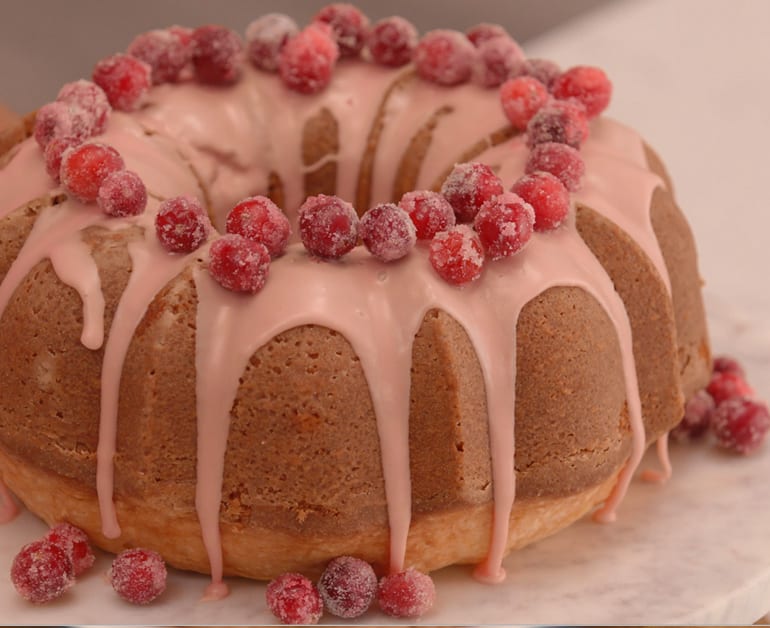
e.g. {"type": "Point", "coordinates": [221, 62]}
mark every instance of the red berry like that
{"type": "Point", "coordinates": [42, 572]}
{"type": "Point", "coordinates": [122, 194]}
{"type": "Point", "coordinates": [60, 119]}
{"type": "Point", "coordinates": [387, 232]}
{"type": "Point", "coordinates": [260, 220]}
{"type": "Point", "coordinates": [408, 594]}
{"type": "Point", "coordinates": [85, 167]}
{"type": "Point", "coordinates": [548, 197]}
{"type": "Point", "coordinates": [696, 419]}
{"type": "Point", "coordinates": [587, 84]}
{"type": "Point", "coordinates": [482, 32]}
{"type": "Point", "coordinates": [91, 99]}
{"type": "Point", "coordinates": [727, 385]}
{"type": "Point", "coordinates": [266, 37]}
{"type": "Point", "coordinates": [726, 364]}
{"type": "Point", "coordinates": [182, 224]}
{"type": "Point", "coordinates": [293, 599]}
{"type": "Point", "coordinates": [504, 224]}
{"type": "Point", "coordinates": [239, 264]}
{"type": "Point", "coordinates": [740, 424]}
{"type": "Point", "coordinates": [125, 80]}
{"type": "Point", "coordinates": [468, 187]}
{"type": "Point", "coordinates": [521, 99]}
{"type": "Point", "coordinates": [348, 587]}
{"type": "Point", "coordinates": [138, 575]}
{"type": "Point", "coordinates": [392, 41]}
{"type": "Point", "coordinates": [457, 255]}
{"type": "Point", "coordinates": [54, 151]}
{"type": "Point", "coordinates": [561, 160]}
{"type": "Point", "coordinates": [328, 226]}
{"type": "Point", "coordinates": [349, 26]}
{"type": "Point", "coordinates": [216, 54]}
{"type": "Point", "coordinates": [498, 59]}
{"type": "Point", "coordinates": [307, 60]}
{"type": "Point", "coordinates": [166, 51]}
{"type": "Point", "coordinates": [75, 544]}
{"type": "Point", "coordinates": [544, 70]}
{"type": "Point", "coordinates": [562, 121]}
{"type": "Point", "coordinates": [444, 57]}
{"type": "Point", "coordinates": [430, 212]}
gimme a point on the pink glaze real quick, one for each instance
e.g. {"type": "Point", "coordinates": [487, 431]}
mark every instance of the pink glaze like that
{"type": "Point", "coordinates": [8, 507]}
{"type": "Point", "coordinates": [662, 475]}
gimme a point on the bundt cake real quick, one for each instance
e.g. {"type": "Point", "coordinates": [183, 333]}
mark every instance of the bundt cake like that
{"type": "Point", "coordinates": [349, 406]}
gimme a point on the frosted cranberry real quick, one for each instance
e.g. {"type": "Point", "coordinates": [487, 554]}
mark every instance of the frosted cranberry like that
{"type": "Point", "coordinates": [409, 594]}
{"type": "Point", "coordinates": [457, 255]}
{"type": "Point", "coordinates": [562, 121]}
{"type": "Point", "coordinates": [587, 84]}
{"type": "Point", "coordinates": [387, 232]}
{"type": "Point", "coordinates": [392, 41]}
{"type": "Point", "coordinates": [727, 385]}
{"type": "Point", "coordinates": [308, 59]}
{"type": "Point", "coordinates": [740, 424]}
{"type": "Point", "coordinates": [75, 544]}
{"type": "Point", "coordinates": [260, 220]}
{"type": "Point", "coordinates": [59, 119]}
{"type": "Point", "coordinates": [125, 80]}
{"type": "Point", "coordinates": [349, 26]}
{"type": "Point", "coordinates": [561, 160]}
{"type": "Point", "coordinates": [138, 575]}
{"type": "Point", "coordinates": [54, 151]}
{"type": "Point", "coordinates": [122, 194]}
{"type": "Point", "coordinates": [482, 32]}
{"type": "Point", "coordinates": [239, 264]}
{"type": "Point", "coordinates": [548, 197]}
{"type": "Point", "coordinates": [504, 224]}
{"type": "Point", "coordinates": [42, 572]}
{"type": "Point", "coordinates": [468, 187]}
{"type": "Point", "coordinates": [697, 417]}
{"type": "Point", "coordinates": [544, 70]}
{"type": "Point", "coordinates": [91, 99]}
{"type": "Point", "coordinates": [348, 586]}
{"type": "Point", "coordinates": [181, 224]}
{"type": "Point", "coordinates": [521, 99]}
{"type": "Point", "coordinates": [166, 52]}
{"type": "Point", "coordinates": [328, 226]}
{"type": "Point", "coordinates": [293, 599]}
{"type": "Point", "coordinates": [216, 54]}
{"type": "Point", "coordinates": [444, 57]}
{"type": "Point", "coordinates": [84, 168]}
{"type": "Point", "coordinates": [727, 364]}
{"type": "Point", "coordinates": [430, 212]}
{"type": "Point", "coordinates": [498, 58]}
{"type": "Point", "coordinates": [265, 38]}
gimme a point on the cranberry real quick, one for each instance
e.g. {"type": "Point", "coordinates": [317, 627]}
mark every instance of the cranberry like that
{"type": "Point", "coordinates": [561, 121]}
{"type": "Point", "coordinates": [521, 99]}
{"type": "Point", "coordinates": [307, 60]}
{"type": "Point", "coordinates": [266, 37]}
{"type": "Point", "coordinates": [482, 32]}
{"type": "Point", "coordinates": [548, 197]}
{"type": "Point", "coordinates": [544, 70]}
{"type": "Point", "coordinates": [587, 84]}
{"type": "Point", "coordinates": [293, 599]}
{"type": "Point", "coordinates": [166, 51]}
{"type": "Point", "coordinates": [122, 194]}
{"type": "Point", "coordinates": [42, 572]}
{"type": "Point", "coordinates": [498, 58]}
{"type": "Point", "coordinates": [408, 594]}
{"type": "Point", "coordinates": [125, 80]}
{"type": "Point", "coordinates": [697, 417]}
{"type": "Point", "coordinates": [138, 575]}
{"type": "Point", "coordinates": [504, 224]}
{"type": "Point", "coordinates": [91, 99]}
{"type": "Point", "coordinates": [54, 151]}
{"type": "Point", "coordinates": [182, 224]}
{"type": "Point", "coordinates": [457, 255]}
{"type": "Point", "coordinates": [60, 119]}
{"type": "Point", "coordinates": [85, 167]}
{"type": "Point", "coordinates": [430, 212]}
{"type": "Point", "coordinates": [75, 544]}
{"type": "Point", "coordinates": [444, 57]}
{"type": "Point", "coordinates": [468, 187]}
{"type": "Point", "coordinates": [561, 160]}
{"type": "Point", "coordinates": [216, 54]}
{"type": "Point", "coordinates": [392, 41]}
{"type": "Point", "coordinates": [726, 385]}
{"type": "Point", "coordinates": [387, 232]}
{"type": "Point", "coordinates": [328, 226]}
{"type": "Point", "coordinates": [740, 424]}
{"type": "Point", "coordinates": [239, 264]}
{"type": "Point", "coordinates": [349, 26]}
{"type": "Point", "coordinates": [727, 364]}
{"type": "Point", "coordinates": [348, 586]}
{"type": "Point", "coordinates": [260, 220]}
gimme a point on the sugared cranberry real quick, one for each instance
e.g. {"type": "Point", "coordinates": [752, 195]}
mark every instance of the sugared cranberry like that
{"type": "Point", "coordinates": [409, 594]}
{"type": "Point", "coordinates": [182, 224]}
{"type": "Point", "coordinates": [544, 70]}
{"type": "Point", "coordinates": [216, 54]}
{"type": "Point", "coordinates": [697, 417]}
{"type": "Point", "coordinates": [444, 57]}
{"type": "Point", "coordinates": [457, 255]}
{"type": "Point", "coordinates": [430, 212]}
{"type": "Point", "coordinates": [740, 424]}
{"type": "Point", "coordinates": [387, 232]}
{"type": "Point", "coordinates": [293, 599]}
{"type": "Point", "coordinates": [726, 385]}
{"type": "Point", "coordinates": [60, 119]}
{"type": "Point", "coordinates": [308, 59]}
{"type": "Point", "coordinates": [125, 80]}
{"type": "Point", "coordinates": [587, 84]}
{"type": "Point", "coordinates": [468, 187]}
{"type": "Point", "coordinates": [498, 58]}
{"type": "Point", "coordinates": [504, 224]}
{"type": "Point", "coordinates": [54, 151]}
{"type": "Point", "coordinates": [548, 197]}
{"type": "Point", "coordinates": [84, 168]}
{"type": "Point", "coordinates": [521, 99]}
{"type": "Point", "coordinates": [562, 121]}
{"type": "Point", "coordinates": [122, 194]}
{"type": "Point", "coordinates": [75, 544]}
{"type": "Point", "coordinates": [727, 364]}
{"type": "Point", "coordinates": [349, 26]}
{"type": "Point", "coordinates": [561, 160]}
{"type": "Point", "coordinates": [42, 572]}
{"type": "Point", "coordinates": [165, 51]}
{"type": "Point", "coordinates": [482, 32]}
{"type": "Point", "coordinates": [392, 41]}
{"type": "Point", "coordinates": [328, 226]}
{"type": "Point", "coordinates": [348, 586]}
{"type": "Point", "coordinates": [265, 38]}
{"type": "Point", "coordinates": [239, 264]}
{"type": "Point", "coordinates": [91, 99]}
{"type": "Point", "coordinates": [260, 220]}
{"type": "Point", "coordinates": [138, 575]}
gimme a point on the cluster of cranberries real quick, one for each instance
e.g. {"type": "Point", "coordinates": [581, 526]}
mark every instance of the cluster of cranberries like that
{"type": "Point", "coordinates": [347, 588]}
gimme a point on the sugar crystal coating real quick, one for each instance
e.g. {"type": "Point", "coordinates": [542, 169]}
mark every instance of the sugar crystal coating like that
{"type": "Point", "coordinates": [181, 224]}
{"type": "Point", "coordinates": [468, 187]}
{"type": "Point", "coordinates": [85, 167]}
{"type": "Point", "coordinates": [697, 417]}
{"type": "Point", "coordinates": [505, 224]}
{"type": "Point", "coordinates": [75, 544]}
{"type": "Point", "coordinates": [308, 59]}
{"type": "Point", "coordinates": [60, 119]}
{"type": "Point", "coordinates": [544, 70]}
{"type": "Point", "coordinates": [409, 594]}
{"type": "Point", "coordinates": [90, 98]}
{"type": "Point", "coordinates": [348, 586]}
{"type": "Point", "coordinates": [727, 385]}
{"type": "Point", "coordinates": [239, 264]}
{"type": "Point", "coordinates": [259, 219]}
{"type": "Point", "coordinates": [444, 57]}
{"type": "Point", "coordinates": [726, 363]}
{"type": "Point", "coordinates": [166, 51]}
{"type": "Point", "coordinates": [349, 26]}
{"type": "Point", "coordinates": [457, 255]}
{"type": "Point", "coordinates": [548, 197]}
{"type": "Point", "coordinates": [392, 41]}
{"type": "Point", "coordinates": [430, 212]}
{"type": "Point", "coordinates": [42, 572]}
{"type": "Point", "coordinates": [122, 194]}
{"type": "Point", "coordinates": [740, 424]}
{"type": "Point", "coordinates": [561, 160]}
{"type": "Point", "coordinates": [293, 599]}
{"type": "Point", "coordinates": [387, 232]}
{"type": "Point", "coordinates": [498, 58]}
{"type": "Point", "coordinates": [521, 99]}
{"type": "Point", "coordinates": [587, 84]}
{"type": "Point", "coordinates": [265, 38]}
{"type": "Point", "coordinates": [328, 226]}
{"type": "Point", "coordinates": [484, 31]}
{"type": "Point", "coordinates": [216, 54]}
{"type": "Point", "coordinates": [138, 575]}
{"type": "Point", "coordinates": [561, 121]}
{"type": "Point", "coordinates": [54, 151]}
{"type": "Point", "coordinates": [125, 80]}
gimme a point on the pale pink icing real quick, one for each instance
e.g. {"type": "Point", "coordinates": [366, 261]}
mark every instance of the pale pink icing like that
{"type": "Point", "coordinates": [662, 475]}
{"type": "Point", "coordinates": [8, 507]}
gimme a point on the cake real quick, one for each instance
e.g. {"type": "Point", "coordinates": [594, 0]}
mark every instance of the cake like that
{"type": "Point", "coordinates": [349, 407]}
